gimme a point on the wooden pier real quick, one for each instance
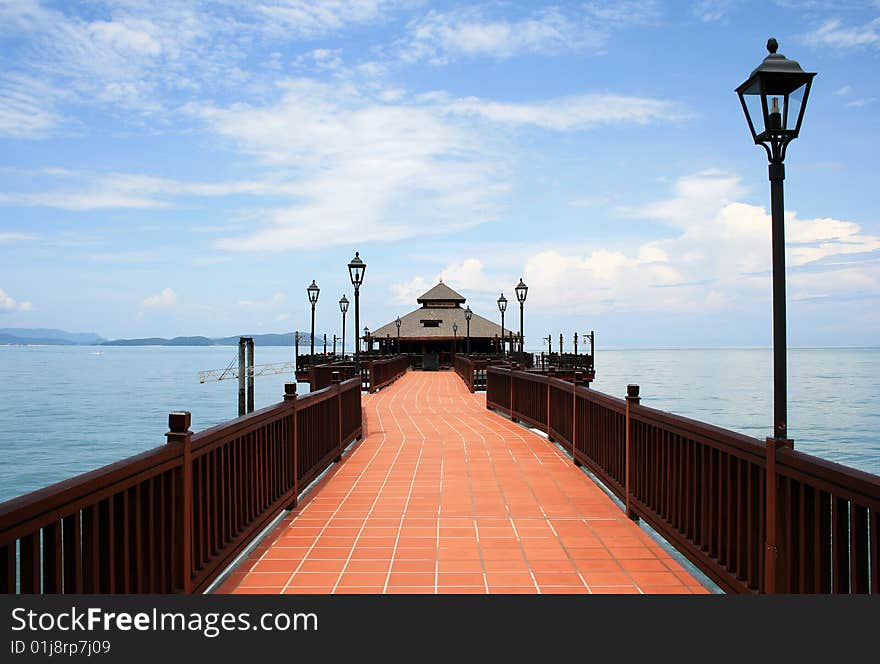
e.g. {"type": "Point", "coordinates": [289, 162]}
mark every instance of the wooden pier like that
{"type": "Point", "coordinates": [445, 496]}
{"type": "Point", "coordinates": [425, 486]}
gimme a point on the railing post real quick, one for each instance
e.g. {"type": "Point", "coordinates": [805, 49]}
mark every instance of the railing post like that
{"type": "Point", "coordinates": [578, 380]}
{"type": "Point", "coordinates": [772, 559]}
{"type": "Point", "coordinates": [512, 368]}
{"type": "Point", "coordinates": [290, 399]}
{"type": "Point", "coordinates": [550, 374]}
{"type": "Point", "coordinates": [335, 379]}
{"type": "Point", "coordinates": [372, 377]}
{"type": "Point", "coordinates": [632, 398]}
{"type": "Point", "coordinates": [179, 433]}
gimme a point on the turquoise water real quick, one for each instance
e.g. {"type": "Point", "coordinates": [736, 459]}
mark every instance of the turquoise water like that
{"type": "Point", "coordinates": [65, 410]}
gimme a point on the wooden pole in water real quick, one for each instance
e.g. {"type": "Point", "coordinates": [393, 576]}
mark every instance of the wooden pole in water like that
{"type": "Point", "coordinates": [241, 376]}
{"type": "Point", "coordinates": [250, 375]}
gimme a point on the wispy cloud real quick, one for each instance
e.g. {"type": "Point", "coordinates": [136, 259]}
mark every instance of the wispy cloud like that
{"type": "Point", "coordinates": [713, 10]}
{"type": "Point", "coordinates": [9, 305]}
{"type": "Point", "coordinates": [442, 36]}
{"type": "Point", "coordinates": [574, 113]}
{"type": "Point", "coordinates": [15, 236]}
{"type": "Point", "coordinates": [833, 33]}
{"type": "Point", "coordinates": [368, 170]}
{"type": "Point", "coordinates": [94, 191]}
{"type": "Point", "coordinates": [165, 298]}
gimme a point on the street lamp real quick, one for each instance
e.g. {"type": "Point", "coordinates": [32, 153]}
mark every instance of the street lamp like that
{"type": "Point", "coordinates": [397, 323]}
{"type": "Point", "coordinates": [502, 307]}
{"type": "Point", "coordinates": [367, 343]}
{"type": "Point", "coordinates": [313, 291]}
{"type": "Point", "coordinates": [521, 291]}
{"type": "Point", "coordinates": [467, 316]}
{"type": "Point", "coordinates": [343, 307]}
{"type": "Point", "coordinates": [356, 271]}
{"type": "Point", "coordinates": [454, 337]}
{"type": "Point", "coordinates": [777, 79]}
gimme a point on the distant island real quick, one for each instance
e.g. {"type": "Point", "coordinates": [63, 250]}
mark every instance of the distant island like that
{"type": "Point", "coordinates": [50, 337]}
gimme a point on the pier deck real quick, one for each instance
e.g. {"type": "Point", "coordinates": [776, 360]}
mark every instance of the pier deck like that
{"type": "Point", "coordinates": [445, 496]}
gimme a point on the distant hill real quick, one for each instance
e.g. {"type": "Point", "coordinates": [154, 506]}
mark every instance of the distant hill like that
{"type": "Point", "coordinates": [285, 339]}
{"type": "Point", "coordinates": [158, 341]}
{"type": "Point", "coordinates": [47, 337]}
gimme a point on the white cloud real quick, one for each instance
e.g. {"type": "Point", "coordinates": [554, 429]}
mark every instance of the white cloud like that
{"type": "Point", "coordinates": [166, 298]}
{"type": "Point", "coordinates": [10, 237]}
{"type": "Point", "coordinates": [573, 113]}
{"type": "Point", "coordinates": [368, 170]}
{"type": "Point", "coordinates": [440, 37]}
{"type": "Point", "coordinates": [406, 293]}
{"type": "Point", "coordinates": [718, 257]}
{"type": "Point", "coordinates": [9, 305]}
{"type": "Point", "coordinates": [92, 191]}
{"type": "Point", "coordinates": [27, 107]}
{"type": "Point", "coordinates": [834, 34]}
{"type": "Point", "coordinates": [712, 10]}
{"type": "Point", "coordinates": [845, 90]}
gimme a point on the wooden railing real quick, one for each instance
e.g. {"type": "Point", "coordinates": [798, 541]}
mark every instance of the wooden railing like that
{"type": "Point", "coordinates": [321, 375]}
{"type": "Point", "coordinates": [380, 373]}
{"type": "Point", "coordinates": [171, 520]}
{"type": "Point", "coordinates": [472, 371]}
{"type": "Point", "coordinates": [754, 516]}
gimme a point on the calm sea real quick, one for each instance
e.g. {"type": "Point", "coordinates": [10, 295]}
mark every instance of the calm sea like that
{"type": "Point", "coordinates": [65, 410]}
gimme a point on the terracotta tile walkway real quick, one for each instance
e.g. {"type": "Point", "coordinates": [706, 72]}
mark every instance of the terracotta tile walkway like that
{"type": "Point", "coordinates": [445, 496]}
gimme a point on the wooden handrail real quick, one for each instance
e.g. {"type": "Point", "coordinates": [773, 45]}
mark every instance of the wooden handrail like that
{"type": "Point", "coordinates": [172, 518]}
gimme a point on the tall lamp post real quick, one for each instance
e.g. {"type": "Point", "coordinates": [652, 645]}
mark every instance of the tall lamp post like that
{"type": "Point", "coordinates": [343, 307]}
{"type": "Point", "coordinates": [454, 337]}
{"type": "Point", "coordinates": [467, 317]}
{"type": "Point", "coordinates": [313, 291]}
{"type": "Point", "coordinates": [521, 291]}
{"type": "Point", "coordinates": [776, 80]}
{"type": "Point", "coordinates": [502, 307]}
{"type": "Point", "coordinates": [398, 323]}
{"type": "Point", "coordinates": [356, 269]}
{"type": "Point", "coordinates": [367, 343]}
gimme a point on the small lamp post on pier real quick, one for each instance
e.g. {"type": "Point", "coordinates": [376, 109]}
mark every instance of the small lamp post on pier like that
{"type": "Point", "coordinates": [521, 291]}
{"type": "Point", "coordinates": [776, 80]}
{"type": "Point", "coordinates": [343, 307]}
{"type": "Point", "coordinates": [313, 292]}
{"type": "Point", "coordinates": [356, 269]}
{"type": "Point", "coordinates": [467, 317]}
{"type": "Point", "coordinates": [454, 338]}
{"type": "Point", "coordinates": [502, 307]}
{"type": "Point", "coordinates": [398, 324]}
{"type": "Point", "coordinates": [367, 341]}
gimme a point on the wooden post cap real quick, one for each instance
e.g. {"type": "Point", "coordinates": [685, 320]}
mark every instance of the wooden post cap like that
{"type": "Point", "coordinates": [632, 391]}
{"type": "Point", "coordinates": [179, 421]}
{"type": "Point", "coordinates": [289, 391]}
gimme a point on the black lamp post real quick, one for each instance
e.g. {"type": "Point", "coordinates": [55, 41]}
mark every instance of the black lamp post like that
{"type": "Point", "coordinates": [521, 291]}
{"type": "Point", "coordinates": [454, 337]}
{"type": "Point", "coordinates": [343, 307]}
{"type": "Point", "coordinates": [502, 307]}
{"type": "Point", "coordinates": [467, 317]}
{"type": "Point", "coordinates": [313, 291]}
{"type": "Point", "coordinates": [777, 80]}
{"type": "Point", "coordinates": [367, 343]}
{"type": "Point", "coordinates": [398, 323]}
{"type": "Point", "coordinates": [356, 271]}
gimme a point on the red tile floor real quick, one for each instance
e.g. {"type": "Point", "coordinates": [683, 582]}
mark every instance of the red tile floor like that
{"type": "Point", "coordinates": [445, 496]}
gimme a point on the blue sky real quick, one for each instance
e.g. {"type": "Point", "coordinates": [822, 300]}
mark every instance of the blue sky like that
{"type": "Point", "coordinates": [189, 167]}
